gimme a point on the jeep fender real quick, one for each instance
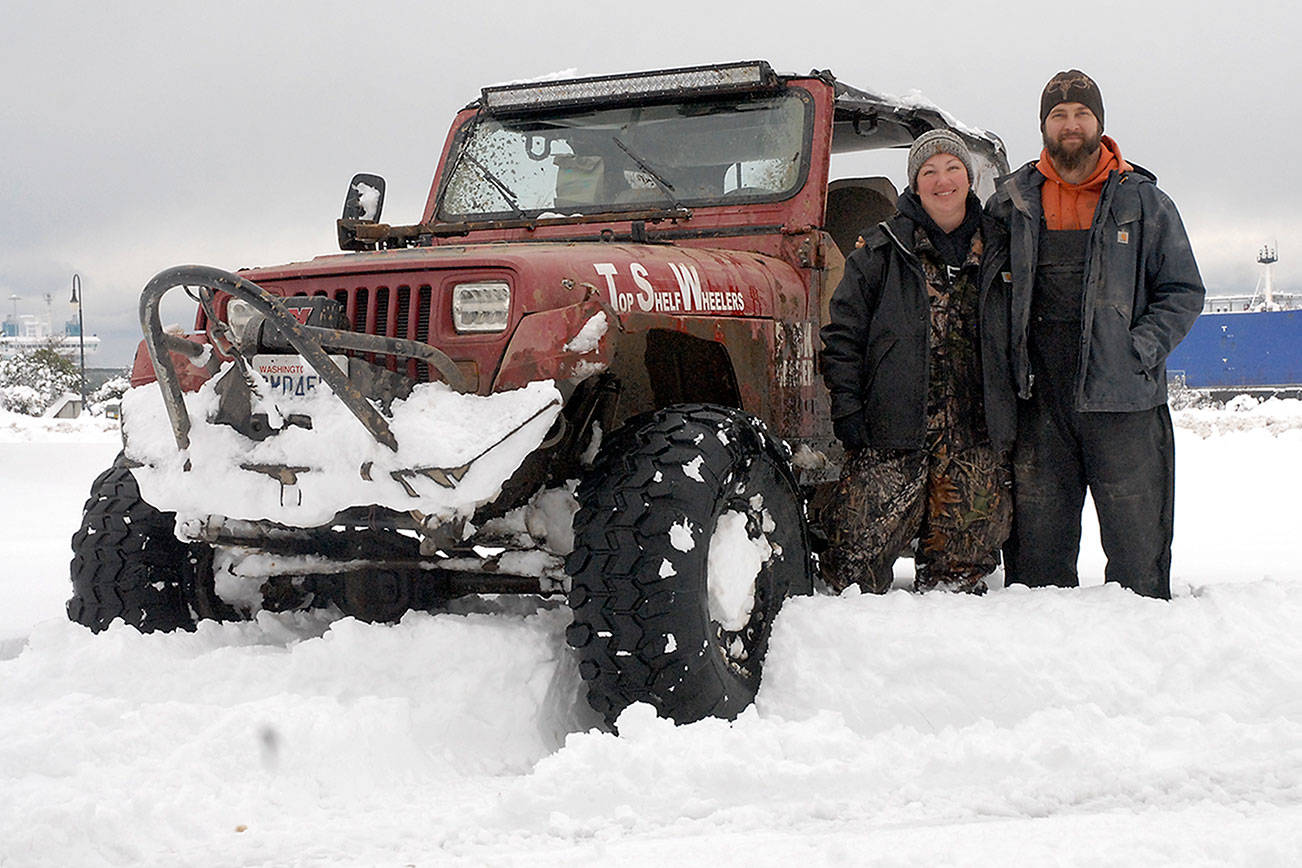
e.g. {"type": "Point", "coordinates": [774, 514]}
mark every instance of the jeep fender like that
{"type": "Point", "coordinates": [547, 346]}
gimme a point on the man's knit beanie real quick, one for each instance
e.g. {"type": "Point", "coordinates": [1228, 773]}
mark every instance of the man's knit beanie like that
{"type": "Point", "coordinates": [934, 142]}
{"type": "Point", "coordinates": [1071, 86]}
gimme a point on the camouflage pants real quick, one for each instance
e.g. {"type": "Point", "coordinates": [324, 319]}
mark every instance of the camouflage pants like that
{"type": "Point", "coordinates": [956, 504]}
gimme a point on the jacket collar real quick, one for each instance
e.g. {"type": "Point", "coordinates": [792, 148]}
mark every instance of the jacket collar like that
{"type": "Point", "coordinates": [897, 230]}
{"type": "Point", "coordinates": [1021, 187]}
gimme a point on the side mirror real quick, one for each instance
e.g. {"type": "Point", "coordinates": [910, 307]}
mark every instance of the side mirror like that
{"type": "Point", "coordinates": [365, 199]}
{"type": "Point", "coordinates": [363, 204]}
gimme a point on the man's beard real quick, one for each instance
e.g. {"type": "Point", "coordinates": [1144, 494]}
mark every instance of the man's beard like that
{"type": "Point", "coordinates": [1071, 159]}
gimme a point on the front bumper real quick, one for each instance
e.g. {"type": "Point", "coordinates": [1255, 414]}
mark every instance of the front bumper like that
{"type": "Point", "coordinates": [436, 453]}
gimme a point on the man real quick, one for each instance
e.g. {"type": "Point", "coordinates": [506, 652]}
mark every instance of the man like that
{"type": "Point", "coordinates": [1104, 286]}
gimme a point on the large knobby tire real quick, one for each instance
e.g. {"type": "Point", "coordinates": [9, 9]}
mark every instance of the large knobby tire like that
{"type": "Point", "coordinates": [127, 563]}
{"type": "Point", "coordinates": [664, 488]}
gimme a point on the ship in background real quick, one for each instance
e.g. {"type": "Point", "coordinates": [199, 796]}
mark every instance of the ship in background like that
{"type": "Point", "coordinates": [23, 333]}
{"type": "Point", "coordinates": [1244, 344]}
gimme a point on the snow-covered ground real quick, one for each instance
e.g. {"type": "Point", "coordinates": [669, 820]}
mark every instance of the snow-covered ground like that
{"type": "Point", "coordinates": [1071, 727]}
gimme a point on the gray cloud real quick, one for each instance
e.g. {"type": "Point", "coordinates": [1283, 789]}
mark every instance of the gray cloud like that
{"type": "Point", "coordinates": [142, 135]}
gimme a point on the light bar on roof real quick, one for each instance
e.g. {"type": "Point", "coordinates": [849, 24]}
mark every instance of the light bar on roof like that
{"type": "Point", "coordinates": [636, 87]}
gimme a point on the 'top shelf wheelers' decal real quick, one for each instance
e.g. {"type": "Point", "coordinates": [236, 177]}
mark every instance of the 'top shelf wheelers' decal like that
{"type": "Point", "coordinates": [685, 296]}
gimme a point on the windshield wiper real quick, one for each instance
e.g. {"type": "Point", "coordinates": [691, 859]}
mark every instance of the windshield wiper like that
{"type": "Point", "coordinates": [507, 194]}
{"type": "Point", "coordinates": [652, 173]}
{"type": "Point", "coordinates": [452, 170]}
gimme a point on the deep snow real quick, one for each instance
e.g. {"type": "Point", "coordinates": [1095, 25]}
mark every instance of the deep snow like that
{"type": "Point", "coordinates": [1079, 727]}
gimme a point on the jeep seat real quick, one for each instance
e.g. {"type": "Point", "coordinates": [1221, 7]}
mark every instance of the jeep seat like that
{"type": "Point", "coordinates": [856, 204]}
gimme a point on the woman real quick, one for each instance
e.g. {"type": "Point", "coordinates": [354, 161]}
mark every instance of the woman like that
{"type": "Point", "coordinates": [915, 357]}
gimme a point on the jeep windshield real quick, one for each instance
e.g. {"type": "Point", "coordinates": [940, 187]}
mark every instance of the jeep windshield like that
{"type": "Point", "coordinates": [630, 158]}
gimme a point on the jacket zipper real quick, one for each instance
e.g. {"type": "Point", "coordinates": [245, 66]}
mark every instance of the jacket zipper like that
{"type": "Point", "coordinates": [1015, 194]}
{"type": "Point", "coordinates": [1087, 301]}
{"type": "Point", "coordinates": [912, 259]}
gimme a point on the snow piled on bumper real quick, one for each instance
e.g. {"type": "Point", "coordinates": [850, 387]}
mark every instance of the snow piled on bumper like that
{"type": "Point", "coordinates": [435, 427]}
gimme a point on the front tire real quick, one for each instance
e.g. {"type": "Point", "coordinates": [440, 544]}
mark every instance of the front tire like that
{"type": "Point", "coordinates": [127, 563]}
{"type": "Point", "coordinates": [656, 618]}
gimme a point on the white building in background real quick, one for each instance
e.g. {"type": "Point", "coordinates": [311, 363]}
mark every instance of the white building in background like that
{"type": "Point", "coordinates": [21, 333]}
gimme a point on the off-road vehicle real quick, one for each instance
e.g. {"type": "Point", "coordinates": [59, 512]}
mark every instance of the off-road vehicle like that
{"type": "Point", "coordinates": [588, 372]}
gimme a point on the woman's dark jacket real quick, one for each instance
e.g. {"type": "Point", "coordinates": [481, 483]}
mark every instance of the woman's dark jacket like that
{"type": "Point", "coordinates": [875, 346]}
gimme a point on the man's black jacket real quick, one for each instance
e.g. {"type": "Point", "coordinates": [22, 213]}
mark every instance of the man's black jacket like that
{"type": "Point", "coordinates": [1142, 287]}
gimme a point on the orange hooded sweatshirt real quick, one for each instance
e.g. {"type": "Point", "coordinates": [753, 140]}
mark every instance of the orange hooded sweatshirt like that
{"type": "Point", "coordinates": [1071, 206]}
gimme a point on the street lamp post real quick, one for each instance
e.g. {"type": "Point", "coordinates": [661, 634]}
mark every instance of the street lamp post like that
{"type": "Point", "coordinates": [81, 334]}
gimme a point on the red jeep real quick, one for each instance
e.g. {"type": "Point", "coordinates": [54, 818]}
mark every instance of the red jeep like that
{"type": "Point", "coordinates": [589, 372]}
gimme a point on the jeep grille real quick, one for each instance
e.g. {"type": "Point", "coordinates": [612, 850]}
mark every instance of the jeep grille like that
{"type": "Point", "coordinates": [401, 311]}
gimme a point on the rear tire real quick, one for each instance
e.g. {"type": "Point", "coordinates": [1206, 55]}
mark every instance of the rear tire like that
{"type": "Point", "coordinates": [645, 626]}
{"type": "Point", "coordinates": [127, 563]}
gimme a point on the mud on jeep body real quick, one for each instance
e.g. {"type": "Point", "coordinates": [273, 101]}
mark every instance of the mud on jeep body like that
{"type": "Point", "coordinates": [614, 291]}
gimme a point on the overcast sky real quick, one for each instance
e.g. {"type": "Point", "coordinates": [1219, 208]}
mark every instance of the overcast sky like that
{"type": "Point", "coordinates": [137, 136]}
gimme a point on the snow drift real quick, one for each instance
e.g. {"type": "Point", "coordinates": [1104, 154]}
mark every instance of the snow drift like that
{"type": "Point", "coordinates": [1084, 726]}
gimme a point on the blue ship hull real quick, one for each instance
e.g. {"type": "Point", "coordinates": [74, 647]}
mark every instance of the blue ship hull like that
{"type": "Point", "coordinates": [1261, 349]}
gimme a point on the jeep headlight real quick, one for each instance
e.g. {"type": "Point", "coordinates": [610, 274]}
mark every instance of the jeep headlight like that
{"type": "Point", "coordinates": [481, 307]}
{"type": "Point", "coordinates": [244, 321]}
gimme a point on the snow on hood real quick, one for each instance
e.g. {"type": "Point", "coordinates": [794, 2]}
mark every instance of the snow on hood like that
{"type": "Point", "coordinates": [435, 428]}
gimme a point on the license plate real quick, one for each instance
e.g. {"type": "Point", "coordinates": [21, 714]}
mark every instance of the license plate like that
{"type": "Point", "coordinates": [291, 375]}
